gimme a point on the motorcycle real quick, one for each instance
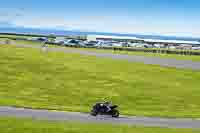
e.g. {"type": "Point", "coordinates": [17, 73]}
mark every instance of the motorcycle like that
{"type": "Point", "coordinates": [102, 109]}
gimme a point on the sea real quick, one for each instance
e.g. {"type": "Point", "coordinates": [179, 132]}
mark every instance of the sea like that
{"type": "Point", "coordinates": [22, 30]}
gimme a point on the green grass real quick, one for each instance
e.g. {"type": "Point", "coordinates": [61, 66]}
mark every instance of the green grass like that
{"type": "Point", "coordinates": [173, 56]}
{"type": "Point", "coordinates": [73, 82]}
{"type": "Point", "coordinates": [13, 125]}
{"type": "Point", "coordinates": [28, 42]}
{"type": "Point", "coordinates": [20, 42]}
{"type": "Point", "coordinates": [14, 36]}
{"type": "Point", "coordinates": [179, 57]}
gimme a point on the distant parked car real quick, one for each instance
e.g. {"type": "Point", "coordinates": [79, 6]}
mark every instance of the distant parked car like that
{"type": "Point", "coordinates": [172, 47]}
{"type": "Point", "coordinates": [72, 42]}
{"type": "Point", "coordinates": [80, 43]}
{"type": "Point", "coordinates": [59, 41]}
{"type": "Point", "coordinates": [142, 46]}
{"type": "Point", "coordinates": [42, 39]}
{"type": "Point", "coordinates": [117, 45]}
{"type": "Point", "coordinates": [101, 44]}
{"type": "Point", "coordinates": [133, 44]}
{"type": "Point", "coordinates": [195, 48]}
{"type": "Point", "coordinates": [91, 43]}
{"type": "Point", "coordinates": [158, 46]}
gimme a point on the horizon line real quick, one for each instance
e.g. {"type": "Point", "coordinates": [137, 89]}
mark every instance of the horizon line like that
{"type": "Point", "coordinates": [104, 32]}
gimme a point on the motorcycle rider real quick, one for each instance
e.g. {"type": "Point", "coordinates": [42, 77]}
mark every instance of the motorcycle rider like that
{"type": "Point", "coordinates": [105, 108]}
{"type": "Point", "coordinates": [108, 104]}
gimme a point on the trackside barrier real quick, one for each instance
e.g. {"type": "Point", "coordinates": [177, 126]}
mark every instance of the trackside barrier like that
{"type": "Point", "coordinates": [116, 49]}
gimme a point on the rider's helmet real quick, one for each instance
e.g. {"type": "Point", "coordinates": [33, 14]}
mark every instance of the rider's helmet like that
{"type": "Point", "coordinates": [107, 102]}
{"type": "Point", "coordinates": [101, 104]}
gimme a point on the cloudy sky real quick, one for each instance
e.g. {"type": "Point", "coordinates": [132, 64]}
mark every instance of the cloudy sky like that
{"type": "Point", "coordinates": [166, 17]}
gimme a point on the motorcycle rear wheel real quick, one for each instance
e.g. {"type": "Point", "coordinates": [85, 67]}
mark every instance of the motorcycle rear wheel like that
{"type": "Point", "coordinates": [115, 113]}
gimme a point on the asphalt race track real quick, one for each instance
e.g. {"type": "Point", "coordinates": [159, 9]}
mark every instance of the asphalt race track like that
{"type": "Point", "coordinates": [86, 118]}
{"type": "Point", "coordinates": [165, 62]}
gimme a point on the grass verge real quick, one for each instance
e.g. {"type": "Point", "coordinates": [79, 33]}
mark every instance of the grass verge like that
{"type": "Point", "coordinates": [173, 56]}
{"type": "Point", "coordinates": [13, 125]}
{"type": "Point", "coordinates": [73, 82]}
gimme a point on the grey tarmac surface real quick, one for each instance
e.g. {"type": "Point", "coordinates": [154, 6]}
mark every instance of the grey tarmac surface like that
{"type": "Point", "coordinates": [165, 62]}
{"type": "Point", "coordinates": [86, 118]}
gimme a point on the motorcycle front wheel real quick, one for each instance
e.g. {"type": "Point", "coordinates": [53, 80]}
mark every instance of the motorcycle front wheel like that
{"type": "Point", "coordinates": [93, 113]}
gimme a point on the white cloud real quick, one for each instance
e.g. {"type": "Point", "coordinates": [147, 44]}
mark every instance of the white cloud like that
{"type": "Point", "coordinates": [9, 14]}
{"type": "Point", "coordinates": [118, 24]}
